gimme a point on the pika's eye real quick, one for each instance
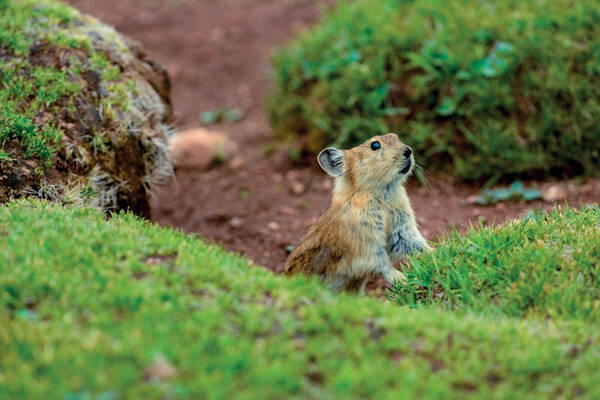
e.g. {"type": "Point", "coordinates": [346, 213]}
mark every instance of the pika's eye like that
{"type": "Point", "coordinates": [375, 146]}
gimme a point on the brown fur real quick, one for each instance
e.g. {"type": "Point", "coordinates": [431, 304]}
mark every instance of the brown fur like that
{"type": "Point", "coordinates": [369, 224]}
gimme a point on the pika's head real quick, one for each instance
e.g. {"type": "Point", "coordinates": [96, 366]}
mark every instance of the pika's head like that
{"type": "Point", "coordinates": [377, 162]}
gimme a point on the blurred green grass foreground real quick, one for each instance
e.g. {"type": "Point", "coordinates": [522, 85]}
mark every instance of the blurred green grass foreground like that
{"type": "Point", "coordinates": [107, 309]}
{"type": "Point", "coordinates": [480, 89]}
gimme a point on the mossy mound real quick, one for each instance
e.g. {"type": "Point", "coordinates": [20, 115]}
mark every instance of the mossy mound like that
{"type": "Point", "coordinates": [83, 115]}
{"type": "Point", "coordinates": [483, 89]}
{"type": "Point", "coordinates": [124, 309]}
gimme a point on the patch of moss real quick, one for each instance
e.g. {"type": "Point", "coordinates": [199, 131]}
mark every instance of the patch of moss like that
{"type": "Point", "coordinates": [34, 78]}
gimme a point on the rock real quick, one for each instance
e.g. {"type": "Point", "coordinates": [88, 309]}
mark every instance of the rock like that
{"type": "Point", "coordinates": [274, 226]}
{"type": "Point", "coordinates": [291, 175]}
{"type": "Point", "coordinates": [311, 221]}
{"type": "Point", "coordinates": [236, 222]}
{"type": "Point", "coordinates": [199, 148]}
{"type": "Point", "coordinates": [587, 188]}
{"type": "Point", "coordinates": [327, 185]}
{"type": "Point", "coordinates": [174, 70]}
{"type": "Point", "coordinates": [297, 187]}
{"type": "Point", "coordinates": [472, 199]}
{"type": "Point", "coordinates": [277, 178]}
{"type": "Point", "coordinates": [160, 369]}
{"type": "Point", "coordinates": [556, 192]}
{"type": "Point", "coordinates": [288, 210]}
{"type": "Point", "coordinates": [236, 162]}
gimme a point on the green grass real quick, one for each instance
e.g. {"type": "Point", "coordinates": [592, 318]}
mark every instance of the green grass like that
{"type": "Point", "coordinates": [483, 89]}
{"type": "Point", "coordinates": [87, 305]}
{"type": "Point", "coordinates": [546, 266]}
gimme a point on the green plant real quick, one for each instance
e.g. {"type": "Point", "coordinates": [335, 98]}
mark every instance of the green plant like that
{"type": "Point", "coordinates": [515, 192]}
{"type": "Point", "coordinates": [222, 114]}
{"type": "Point", "coordinates": [121, 308]}
{"type": "Point", "coordinates": [484, 89]}
{"type": "Point", "coordinates": [5, 156]}
{"type": "Point", "coordinates": [27, 91]}
{"type": "Point", "coordinates": [30, 94]}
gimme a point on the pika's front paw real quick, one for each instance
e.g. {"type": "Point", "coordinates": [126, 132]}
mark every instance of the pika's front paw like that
{"type": "Point", "coordinates": [425, 248]}
{"type": "Point", "coordinates": [394, 276]}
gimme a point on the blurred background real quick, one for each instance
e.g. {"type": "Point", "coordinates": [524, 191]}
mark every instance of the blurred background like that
{"type": "Point", "coordinates": [499, 99]}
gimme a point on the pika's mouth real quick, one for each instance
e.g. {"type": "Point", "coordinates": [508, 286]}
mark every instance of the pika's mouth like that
{"type": "Point", "coordinates": [407, 165]}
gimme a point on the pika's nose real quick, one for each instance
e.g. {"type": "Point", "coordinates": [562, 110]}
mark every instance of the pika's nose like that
{"type": "Point", "coordinates": [407, 152]}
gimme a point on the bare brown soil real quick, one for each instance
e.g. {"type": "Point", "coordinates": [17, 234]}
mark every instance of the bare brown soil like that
{"type": "Point", "coordinates": [217, 54]}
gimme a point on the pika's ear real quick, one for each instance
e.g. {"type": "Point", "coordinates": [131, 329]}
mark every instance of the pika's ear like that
{"type": "Point", "coordinates": [332, 161]}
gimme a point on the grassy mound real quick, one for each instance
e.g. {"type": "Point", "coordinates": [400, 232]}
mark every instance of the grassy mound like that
{"type": "Point", "coordinates": [482, 89]}
{"type": "Point", "coordinates": [82, 114]}
{"type": "Point", "coordinates": [91, 308]}
{"type": "Point", "coordinates": [546, 266]}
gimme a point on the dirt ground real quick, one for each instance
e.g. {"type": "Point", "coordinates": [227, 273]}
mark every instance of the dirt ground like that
{"type": "Point", "coordinates": [217, 54]}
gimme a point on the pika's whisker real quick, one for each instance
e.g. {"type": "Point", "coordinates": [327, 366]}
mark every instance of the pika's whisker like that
{"type": "Point", "coordinates": [422, 174]}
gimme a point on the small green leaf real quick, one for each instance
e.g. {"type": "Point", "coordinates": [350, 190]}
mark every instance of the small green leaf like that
{"type": "Point", "coordinates": [464, 75]}
{"type": "Point", "coordinates": [419, 61]}
{"type": "Point", "coordinates": [208, 117]}
{"type": "Point", "coordinates": [243, 193]}
{"type": "Point", "coordinates": [307, 68]}
{"type": "Point", "coordinates": [446, 107]}
{"type": "Point", "coordinates": [382, 90]}
{"type": "Point", "coordinates": [484, 200]}
{"type": "Point", "coordinates": [482, 36]}
{"type": "Point", "coordinates": [295, 154]}
{"type": "Point", "coordinates": [393, 111]}
{"type": "Point", "coordinates": [484, 67]}
{"type": "Point", "coordinates": [501, 194]}
{"type": "Point", "coordinates": [27, 314]}
{"type": "Point", "coordinates": [531, 194]}
{"type": "Point", "coordinates": [517, 186]}
{"type": "Point", "coordinates": [354, 56]}
{"type": "Point", "coordinates": [233, 115]}
{"type": "Point", "coordinates": [503, 47]}
{"type": "Point", "coordinates": [110, 394]}
{"type": "Point", "coordinates": [4, 156]}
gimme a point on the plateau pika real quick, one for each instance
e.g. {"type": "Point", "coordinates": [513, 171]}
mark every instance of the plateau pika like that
{"type": "Point", "coordinates": [370, 223]}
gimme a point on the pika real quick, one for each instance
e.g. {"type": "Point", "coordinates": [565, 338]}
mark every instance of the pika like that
{"type": "Point", "coordinates": [369, 224]}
